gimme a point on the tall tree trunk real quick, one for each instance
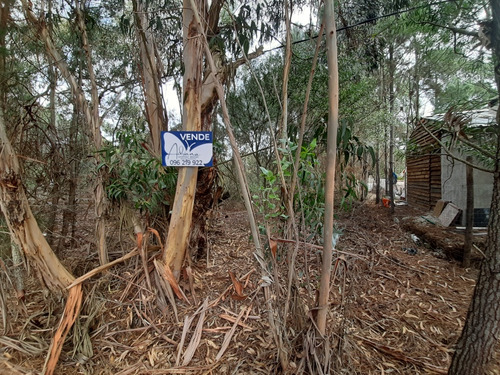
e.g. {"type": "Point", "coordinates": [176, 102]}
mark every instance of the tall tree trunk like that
{"type": "Point", "coordinates": [209, 97]}
{"type": "Point", "coordinates": [69, 213]}
{"type": "Point", "coordinates": [90, 110]}
{"type": "Point", "coordinates": [218, 90]}
{"type": "Point", "coordinates": [417, 84]}
{"type": "Point", "coordinates": [377, 174]}
{"type": "Point", "coordinates": [22, 223]}
{"type": "Point", "coordinates": [392, 72]}
{"type": "Point", "coordinates": [383, 103]}
{"type": "Point", "coordinates": [95, 124]}
{"type": "Point", "coordinates": [4, 24]}
{"type": "Point", "coordinates": [56, 160]}
{"type": "Point", "coordinates": [386, 165]}
{"type": "Point", "coordinates": [182, 209]}
{"type": "Point", "coordinates": [479, 337]}
{"type": "Point", "coordinates": [17, 258]}
{"type": "Point", "coordinates": [213, 77]}
{"type": "Point", "coordinates": [333, 112]}
{"type": "Point", "coordinates": [207, 176]}
{"type": "Point", "coordinates": [283, 132]}
{"type": "Point", "coordinates": [151, 77]}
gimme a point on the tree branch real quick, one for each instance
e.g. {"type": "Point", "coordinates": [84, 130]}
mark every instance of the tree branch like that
{"type": "Point", "coordinates": [476, 147]}
{"type": "Point", "coordinates": [449, 153]}
{"type": "Point", "coordinates": [209, 93]}
{"type": "Point", "coordinates": [456, 30]}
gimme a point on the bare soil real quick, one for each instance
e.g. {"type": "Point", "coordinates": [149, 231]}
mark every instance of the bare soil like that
{"type": "Point", "coordinates": [397, 306]}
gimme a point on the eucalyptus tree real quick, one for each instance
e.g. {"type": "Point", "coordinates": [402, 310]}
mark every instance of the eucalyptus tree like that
{"type": "Point", "coordinates": [227, 34]}
{"type": "Point", "coordinates": [246, 108]}
{"type": "Point", "coordinates": [95, 80]}
{"type": "Point", "coordinates": [182, 210]}
{"type": "Point", "coordinates": [333, 113]}
{"type": "Point", "coordinates": [91, 111]}
{"type": "Point", "coordinates": [151, 69]}
{"type": "Point", "coordinates": [15, 206]}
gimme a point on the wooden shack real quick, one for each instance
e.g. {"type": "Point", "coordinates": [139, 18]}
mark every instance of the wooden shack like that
{"type": "Point", "coordinates": [423, 165]}
{"type": "Point", "coordinates": [433, 174]}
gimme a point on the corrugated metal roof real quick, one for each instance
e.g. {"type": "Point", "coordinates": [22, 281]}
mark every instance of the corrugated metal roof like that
{"type": "Point", "coordinates": [478, 117]}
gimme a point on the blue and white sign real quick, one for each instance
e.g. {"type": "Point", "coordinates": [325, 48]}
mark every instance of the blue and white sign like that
{"type": "Point", "coordinates": [186, 149]}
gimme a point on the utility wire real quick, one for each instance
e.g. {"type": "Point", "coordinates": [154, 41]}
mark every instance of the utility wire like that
{"type": "Point", "coordinates": [369, 20]}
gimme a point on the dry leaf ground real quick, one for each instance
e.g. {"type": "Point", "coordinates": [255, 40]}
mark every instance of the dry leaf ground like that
{"type": "Point", "coordinates": [395, 307]}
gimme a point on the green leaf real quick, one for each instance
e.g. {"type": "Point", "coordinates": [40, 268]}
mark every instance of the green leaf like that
{"type": "Point", "coordinates": [265, 171]}
{"type": "Point", "coordinates": [313, 144]}
{"type": "Point", "coordinates": [246, 45]}
{"type": "Point", "coordinates": [372, 154]}
{"type": "Point", "coordinates": [360, 152]}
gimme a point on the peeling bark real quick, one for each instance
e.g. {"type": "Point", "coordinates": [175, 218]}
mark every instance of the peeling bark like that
{"type": "Point", "coordinates": [204, 203]}
{"type": "Point", "coordinates": [90, 110]}
{"type": "Point", "coordinates": [150, 73]}
{"type": "Point", "coordinates": [205, 198]}
{"type": "Point", "coordinates": [22, 223]}
{"type": "Point", "coordinates": [216, 73]}
{"type": "Point", "coordinates": [182, 209]}
{"type": "Point", "coordinates": [95, 125]}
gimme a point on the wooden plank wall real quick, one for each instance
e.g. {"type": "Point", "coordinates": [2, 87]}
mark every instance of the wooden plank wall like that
{"type": "Point", "coordinates": [423, 165]}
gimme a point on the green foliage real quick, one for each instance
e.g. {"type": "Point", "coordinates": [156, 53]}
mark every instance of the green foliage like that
{"type": "Point", "coordinates": [483, 137]}
{"type": "Point", "coordinates": [309, 196]}
{"type": "Point", "coordinates": [252, 23]}
{"type": "Point", "coordinates": [269, 201]}
{"type": "Point", "coordinates": [350, 190]}
{"type": "Point", "coordinates": [134, 175]}
{"type": "Point", "coordinates": [350, 146]}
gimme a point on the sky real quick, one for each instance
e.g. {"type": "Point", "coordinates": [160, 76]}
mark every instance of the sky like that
{"type": "Point", "coordinates": [299, 17]}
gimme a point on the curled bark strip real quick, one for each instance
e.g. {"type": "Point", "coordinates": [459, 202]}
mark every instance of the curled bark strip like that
{"type": "Point", "coordinates": [167, 274]}
{"type": "Point", "coordinates": [71, 311]}
{"type": "Point", "coordinates": [102, 268]}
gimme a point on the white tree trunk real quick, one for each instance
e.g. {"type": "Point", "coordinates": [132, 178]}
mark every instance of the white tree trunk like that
{"type": "Point", "coordinates": [90, 111]}
{"type": "Point", "coordinates": [150, 74]}
{"type": "Point", "coordinates": [21, 222]}
{"type": "Point", "coordinates": [333, 113]}
{"type": "Point", "coordinates": [182, 210]}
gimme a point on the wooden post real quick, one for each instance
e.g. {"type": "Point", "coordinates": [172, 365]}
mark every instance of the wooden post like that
{"type": "Point", "coordinates": [469, 213]}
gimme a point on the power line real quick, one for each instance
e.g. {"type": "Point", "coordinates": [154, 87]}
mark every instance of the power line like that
{"type": "Point", "coordinates": [369, 20]}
